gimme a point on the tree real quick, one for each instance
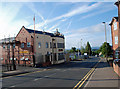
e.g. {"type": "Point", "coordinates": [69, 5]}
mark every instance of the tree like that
{"type": "Point", "coordinates": [106, 49]}
{"type": "Point", "coordinates": [73, 49]}
{"type": "Point", "coordinates": [88, 49]}
{"type": "Point", "coordinates": [82, 50]}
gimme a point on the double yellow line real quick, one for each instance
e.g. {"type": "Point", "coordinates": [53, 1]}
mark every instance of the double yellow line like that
{"type": "Point", "coordinates": [81, 82]}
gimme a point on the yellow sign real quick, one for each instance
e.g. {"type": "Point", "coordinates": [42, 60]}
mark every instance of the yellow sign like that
{"type": "Point", "coordinates": [24, 52]}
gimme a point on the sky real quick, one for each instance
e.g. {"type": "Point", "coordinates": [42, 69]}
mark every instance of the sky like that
{"type": "Point", "coordinates": [79, 21]}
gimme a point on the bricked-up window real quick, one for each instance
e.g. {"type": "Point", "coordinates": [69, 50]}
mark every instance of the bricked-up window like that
{"type": "Point", "coordinates": [39, 45]}
{"type": "Point", "coordinates": [115, 26]}
{"type": "Point", "coordinates": [50, 45]}
{"type": "Point", "coordinates": [116, 39]}
{"type": "Point", "coordinates": [60, 45]}
{"type": "Point", "coordinates": [22, 45]}
{"type": "Point", "coordinates": [46, 44]}
{"type": "Point", "coordinates": [28, 44]}
{"type": "Point", "coordinates": [54, 45]}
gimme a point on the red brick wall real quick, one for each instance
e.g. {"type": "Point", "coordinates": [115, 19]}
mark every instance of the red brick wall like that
{"type": "Point", "coordinates": [119, 22]}
{"type": "Point", "coordinates": [24, 37]}
{"type": "Point", "coordinates": [114, 33]}
{"type": "Point", "coordinates": [116, 68]}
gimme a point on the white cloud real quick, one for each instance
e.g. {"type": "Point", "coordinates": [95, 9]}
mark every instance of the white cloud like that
{"type": "Point", "coordinates": [58, 1]}
{"type": "Point", "coordinates": [76, 11]}
{"type": "Point", "coordinates": [102, 10]}
{"type": "Point", "coordinates": [31, 6]}
{"type": "Point", "coordinates": [7, 24]}
{"type": "Point", "coordinates": [93, 34]}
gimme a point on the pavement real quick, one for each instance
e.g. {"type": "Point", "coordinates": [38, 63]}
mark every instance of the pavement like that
{"type": "Point", "coordinates": [103, 77]}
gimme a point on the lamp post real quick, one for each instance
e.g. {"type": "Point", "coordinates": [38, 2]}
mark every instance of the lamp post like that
{"type": "Point", "coordinates": [105, 39]}
{"type": "Point", "coordinates": [105, 32]}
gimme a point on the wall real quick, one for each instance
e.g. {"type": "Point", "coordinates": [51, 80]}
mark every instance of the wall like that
{"type": "Point", "coordinates": [116, 68]}
{"type": "Point", "coordinates": [42, 51]}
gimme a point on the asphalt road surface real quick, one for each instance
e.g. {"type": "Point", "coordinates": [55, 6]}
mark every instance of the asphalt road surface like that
{"type": "Point", "coordinates": [62, 75]}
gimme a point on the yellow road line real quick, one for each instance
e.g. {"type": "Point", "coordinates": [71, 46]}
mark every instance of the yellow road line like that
{"type": "Point", "coordinates": [85, 77]}
{"type": "Point", "coordinates": [82, 79]}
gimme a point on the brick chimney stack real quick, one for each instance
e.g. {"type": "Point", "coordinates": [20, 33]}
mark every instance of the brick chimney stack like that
{"type": "Point", "coordinates": [118, 5]}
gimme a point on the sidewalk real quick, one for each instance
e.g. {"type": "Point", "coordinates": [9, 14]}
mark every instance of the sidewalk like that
{"type": "Point", "coordinates": [103, 77]}
{"type": "Point", "coordinates": [21, 70]}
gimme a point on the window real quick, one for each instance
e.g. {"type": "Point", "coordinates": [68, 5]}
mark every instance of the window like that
{"type": "Point", "coordinates": [22, 45]}
{"type": "Point", "coordinates": [8, 46]}
{"type": "Point", "coordinates": [3, 46]}
{"type": "Point", "coordinates": [115, 26]}
{"type": "Point", "coordinates": [39, 45]}
{"type": "Point", "coordinates": [116, 54]}
{"type": "Point", "coordinates": [28, 44]}
{"type": "Point", "coordinates": [46, 44]}
{"type": "Point", "coordinates": [60, 45]}
{"type": "Point", "coordinates": [116, 39]}
{"type": "Point", "coordinates": [61, 56]}
{"type": "Point", "coordinates": [13, 45]}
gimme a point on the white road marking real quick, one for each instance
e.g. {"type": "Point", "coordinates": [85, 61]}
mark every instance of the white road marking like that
{"type": "Point", "coordinates": [64, 70]}
{"type": "Point", "coordinates": [37, 79]}
{"type": "Point", "coordinates": [12, 86]}
{"type": "Point", "coordinates": [50, 75]}
{"type": "Point", "coordinates": [57, 69]}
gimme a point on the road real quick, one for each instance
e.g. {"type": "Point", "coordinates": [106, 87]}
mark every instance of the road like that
{"type": "Point", "coordinates": [63, 75]}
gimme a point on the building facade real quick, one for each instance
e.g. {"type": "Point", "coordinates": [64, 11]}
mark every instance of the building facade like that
{"type": "Point", "coordinates": [35, 48]}
{"type": "Point", "coordinates": [115, 31]}
{"type": "Point", "coordinates": [115, 37]}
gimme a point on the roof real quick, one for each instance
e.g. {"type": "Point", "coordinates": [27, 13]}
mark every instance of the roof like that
{"type": "Point", "coordinates": [116, 3]}
{"type": "Point", "coordinates": [10, 39]}
{"type": "Point", "coordinates": [116, 18]}
{"type": "Point", "coordinates": [45, 33]}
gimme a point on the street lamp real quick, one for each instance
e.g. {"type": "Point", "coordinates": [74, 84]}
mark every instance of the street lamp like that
{"type": "Point", "coordinates": [105, 38]}
{"type": "Point", "coordinates": [105, 32]}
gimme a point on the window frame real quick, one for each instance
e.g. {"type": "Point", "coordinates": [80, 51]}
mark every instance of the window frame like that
{"type": "Point", "coordinates": [116, 39]}
{"type": "Point", "coordinates": [22, 45]}
{"type": "Point", "coordinates": [47, 45]}
{"type": "Point", "coordinates": [115, 25]}
{"type": "Point", "coordinates": [28, 45]}
{"type": "Point", "coordinates": [39, 44]}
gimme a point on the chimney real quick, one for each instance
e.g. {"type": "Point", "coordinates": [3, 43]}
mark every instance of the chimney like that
{"type": "Point", "coordinates": [118, 5]}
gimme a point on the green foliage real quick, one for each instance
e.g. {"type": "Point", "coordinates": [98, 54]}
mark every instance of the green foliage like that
{"type": "Point", "coordinates": [106, 49]}
{"type": "Point", "coordinates": [88, 49]}
{"type": "Point", "coordinates": [82, 50]}
{"type": "Point", "coordinates": [95, 52]}
{"type": "Point", "coordinates": [73, 49]}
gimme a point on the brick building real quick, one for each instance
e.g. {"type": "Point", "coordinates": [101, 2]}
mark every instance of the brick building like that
{"type": "Point", "coordinates": [115, 31]}
{"type": "Point", "coordinates": [48, 48]}
{"type": "Point", "coordinates": [115, 36]}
